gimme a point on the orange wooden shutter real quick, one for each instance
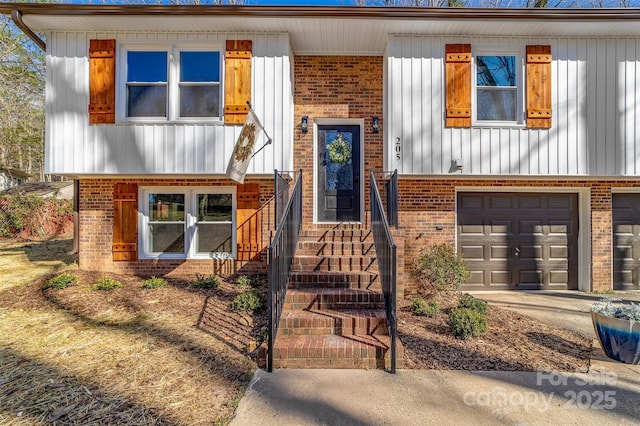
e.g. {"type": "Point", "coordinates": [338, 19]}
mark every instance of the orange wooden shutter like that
{"type": "Point", "coordinates": [458, 85]}
{"type": "Point", "coordinates": [125, 221]}
{"type": "Point", "coordinates": [248, 220]}
{"type": "Point", "coordinates": [237, 81]}
{"type": "Point", "coordinates": [539, 87]}
{"type": "Point", "coordinates": [102, 81]}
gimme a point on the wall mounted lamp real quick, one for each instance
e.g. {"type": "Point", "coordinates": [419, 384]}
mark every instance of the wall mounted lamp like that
{"type": "Point", "coordinates": [304, 124]}
{"type": "Point", "coordinates": [375, 124]}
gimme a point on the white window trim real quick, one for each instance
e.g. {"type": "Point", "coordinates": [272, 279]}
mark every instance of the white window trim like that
{"type": "Point", "coordinates": [190, 221]}
{"type": "Point", "coordinates": [520, 121]}
{"type": "Point", "coordinates": [173, 82]}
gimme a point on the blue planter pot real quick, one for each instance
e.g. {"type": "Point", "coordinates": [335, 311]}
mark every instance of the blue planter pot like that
{"type": "Point", "coordinates": [620, 338]}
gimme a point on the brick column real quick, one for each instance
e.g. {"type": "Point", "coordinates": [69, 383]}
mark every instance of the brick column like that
{"type": "Point", "coordinates": [601, 237]}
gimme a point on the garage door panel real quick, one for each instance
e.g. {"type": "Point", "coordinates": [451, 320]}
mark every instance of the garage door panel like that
{"type": "Point", "coordinates": [499, 252]}
{"type": "Point", "coordinates": [530, 201]}
{"type": "Point", "coordinates": [530, 252]}
{"type": "Point", "coordinates": [558, 252]}
{"type": "Point", "coordinates": [472, 230]}
{"type": "Point", "coordinates": [473, 253]}
{"type": "Point", "coordinates": [501, 278]}
{"type": "Point", "coordinates": [471, 202]}
{"type": "Point", "coordinates": [501, 228]}
{"type": "Point", "coordinates": [626, 241]}
{"type": "Point", "coordinates": [529, 239]}
{"type": "Point", "coordinates": [558, 277]}
{"type": "Point", "coordinates": [499, 202]}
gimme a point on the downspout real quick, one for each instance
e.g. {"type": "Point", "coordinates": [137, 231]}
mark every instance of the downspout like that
{"type": "Point", "coordinates": [16, 15]}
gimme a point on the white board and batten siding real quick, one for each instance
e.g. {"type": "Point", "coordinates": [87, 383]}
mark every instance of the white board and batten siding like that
{"type": "Point", "coordinates": [74, 147]}
{"type": "Point", "coordinates": [596, 105]}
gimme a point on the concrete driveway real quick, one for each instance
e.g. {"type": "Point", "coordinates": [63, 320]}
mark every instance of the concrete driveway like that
{"type": "Point", "coordinates": [608, 394]}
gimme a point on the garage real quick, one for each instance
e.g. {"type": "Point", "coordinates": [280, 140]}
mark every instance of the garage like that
{"type": "Point", "coordinates": [519, 241]}
{"type": "Point", "coordinates": [626, 241]}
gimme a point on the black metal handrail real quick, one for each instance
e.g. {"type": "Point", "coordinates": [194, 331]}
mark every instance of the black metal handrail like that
{"type": "Point", "coordinates": [386, 256]}
{"type": "Point", "coordinates": [280, 195]}
{"type": "Point", "coordinates": [392, 199]}
{"type": "Point", "coordinates": [280, 257]}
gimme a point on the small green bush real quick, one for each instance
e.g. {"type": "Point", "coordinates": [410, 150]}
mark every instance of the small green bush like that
{"type": "Point", "coordinates": [428, 309]}
{"type": "Point", "coordinates": [61, 281]}
{"type": "Point", "coordinates": [438, 268]}
{"type": "Point", "coordinates": [466, 323]}
{"type": "Point", "coordinates": [205, 281]}
{"type": "Point", "coordinates": [244, 282]}
{"type": "Point", "coordinates": [154, 282]}
{"type": "Point", "coordinates": [248, 301]}
{"type": "Point", "coordinates": [470, 302]}
{"type": "Point", "coordinates": [107, 284]}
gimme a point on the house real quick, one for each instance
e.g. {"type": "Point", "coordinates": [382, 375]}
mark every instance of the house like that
{"type": "Point", "coordinates": [62, 190]}
{"type": "Point", "coordinates": [10, 177]}
{"type": "Point", "coordinates": [514, 132]}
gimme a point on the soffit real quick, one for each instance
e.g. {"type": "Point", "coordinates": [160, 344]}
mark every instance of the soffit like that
{"type": "Point", "coordinates": [341, 33]}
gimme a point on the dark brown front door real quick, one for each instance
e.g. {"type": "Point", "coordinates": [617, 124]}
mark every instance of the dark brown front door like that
{"type": "Point", "coordinates": [523, 241]}
{"type": "Point", "coordinates": [626, 241]}
{"type": "Point", "coordinates": [338, 183]}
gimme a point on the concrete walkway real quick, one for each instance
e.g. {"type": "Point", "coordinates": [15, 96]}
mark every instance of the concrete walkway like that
{"type": "Point", "coordinates": [609, 394]}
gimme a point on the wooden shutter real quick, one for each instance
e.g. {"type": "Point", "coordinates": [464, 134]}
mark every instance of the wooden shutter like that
{"type": "Point", "coordinates": [237, 81]}
{"type": "Point", "coordinates": [248, 220]}
{"type": "Point", "coordinates": [102, 81]}
{"type": "Point", "coordinates": [458, 85]}
{"type": "Point", "coordinates": [125, 221]}
{"type": "Point", "coordinates": [539, 87]}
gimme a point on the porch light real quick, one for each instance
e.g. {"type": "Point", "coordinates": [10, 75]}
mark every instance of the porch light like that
{"type": "Point", "coordinates": [304, 124]}
{"type": "Point", "coordinates": [375, 124]}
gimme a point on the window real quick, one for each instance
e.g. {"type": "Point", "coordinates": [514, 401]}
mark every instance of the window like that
{"type": "Point", "coordinates": [172, 84]}
{"type": "Point", "coordinates": [187, 223]}
{"type": "Point", "coordinates": [498, 88]}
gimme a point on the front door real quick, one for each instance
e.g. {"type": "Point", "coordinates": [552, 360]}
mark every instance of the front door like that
{"type": "Point", "coordinates": [338, 175]}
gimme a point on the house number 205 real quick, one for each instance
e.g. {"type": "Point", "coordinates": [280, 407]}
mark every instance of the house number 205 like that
{"type": "Point", "coordinates": [398, 148]}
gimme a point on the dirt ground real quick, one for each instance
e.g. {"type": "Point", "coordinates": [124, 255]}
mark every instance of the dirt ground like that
{"type": "Point", "coordinates": [513, 342]}
{"type": "Point", "coordinates": [179, 355]}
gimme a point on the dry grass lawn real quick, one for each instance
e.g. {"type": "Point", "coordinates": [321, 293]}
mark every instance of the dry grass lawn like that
{"type": "Point", "coordinates": [174, 355]}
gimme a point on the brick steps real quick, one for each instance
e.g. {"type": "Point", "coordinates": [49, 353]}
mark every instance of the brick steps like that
{"type": "Point", "coordinates": [335, 263]}
{"type": "Point", "coordinates": [331, 351]}
{"type": "Point", "coordinates": [334, 279]}
{"type": "Point", "coordinates": [333, 314]}
{"type": "Point", "coordinates": [335, 248]}
{"type": "Point", "coordinates": [333, 298]}
{"type": "Point", "coordinates": [343, 322]}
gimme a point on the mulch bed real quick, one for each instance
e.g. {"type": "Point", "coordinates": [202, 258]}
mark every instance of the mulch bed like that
{"type": "Point", "coordinates": [513, 342]}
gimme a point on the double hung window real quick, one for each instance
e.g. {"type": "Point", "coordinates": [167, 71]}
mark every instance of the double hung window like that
{"type": "Point", "coordinates": [498, 88]}
{"type": "Point", "coordinates": [187, 223]}
{"type": "Point", "coordinates": [172, 83]}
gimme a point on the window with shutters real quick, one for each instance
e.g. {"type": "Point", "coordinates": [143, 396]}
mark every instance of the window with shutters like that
{"type": "Point", "coordinates": [498, 87]}
{"type": "Point", "coordinates": [173, 83]}
{"type": "Point", "coordinates": [178, 222]}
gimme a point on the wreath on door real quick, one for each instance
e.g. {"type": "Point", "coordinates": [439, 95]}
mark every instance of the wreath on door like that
{"type": "Point", "coordinates": [339, 150]}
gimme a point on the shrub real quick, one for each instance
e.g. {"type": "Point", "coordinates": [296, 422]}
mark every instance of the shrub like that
{"type": "Point", "coordinates": [33, 216]}
{"type": "Point", "coordinates": [438, 268]}
{"type": "Point", "coordinates": [205, 281]}
{"type": "Point", "coordinates": [61, 281]}
{"type": "Point", "coordinates": [470, 302]}
{"type": "Point", "coordinates": [154, 282]}
{"type": "Point", "coordinates": [428, 309]}
{"type": "Point", "coordinates": [466, 323]}
{"type": "Point", "coordinates": [107, 284]}
{"type": "Point", "coordinates": [248, 301]}
{"type": "Point", "coordinates": [244, 282]}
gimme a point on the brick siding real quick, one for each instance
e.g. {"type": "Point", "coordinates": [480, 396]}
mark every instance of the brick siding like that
{"type": "Point", "coordinates": [96, 231]}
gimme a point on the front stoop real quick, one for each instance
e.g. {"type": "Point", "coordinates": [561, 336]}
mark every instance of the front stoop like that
{"type": "Point", "coordinates": [333, 315]}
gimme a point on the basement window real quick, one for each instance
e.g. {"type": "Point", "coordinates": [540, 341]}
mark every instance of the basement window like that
{"type": "Point", "coordinates": [178, 223]}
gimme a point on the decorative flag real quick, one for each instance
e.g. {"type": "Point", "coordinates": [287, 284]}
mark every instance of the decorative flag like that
{"type": "Point", "coordinates": [239, 161]}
